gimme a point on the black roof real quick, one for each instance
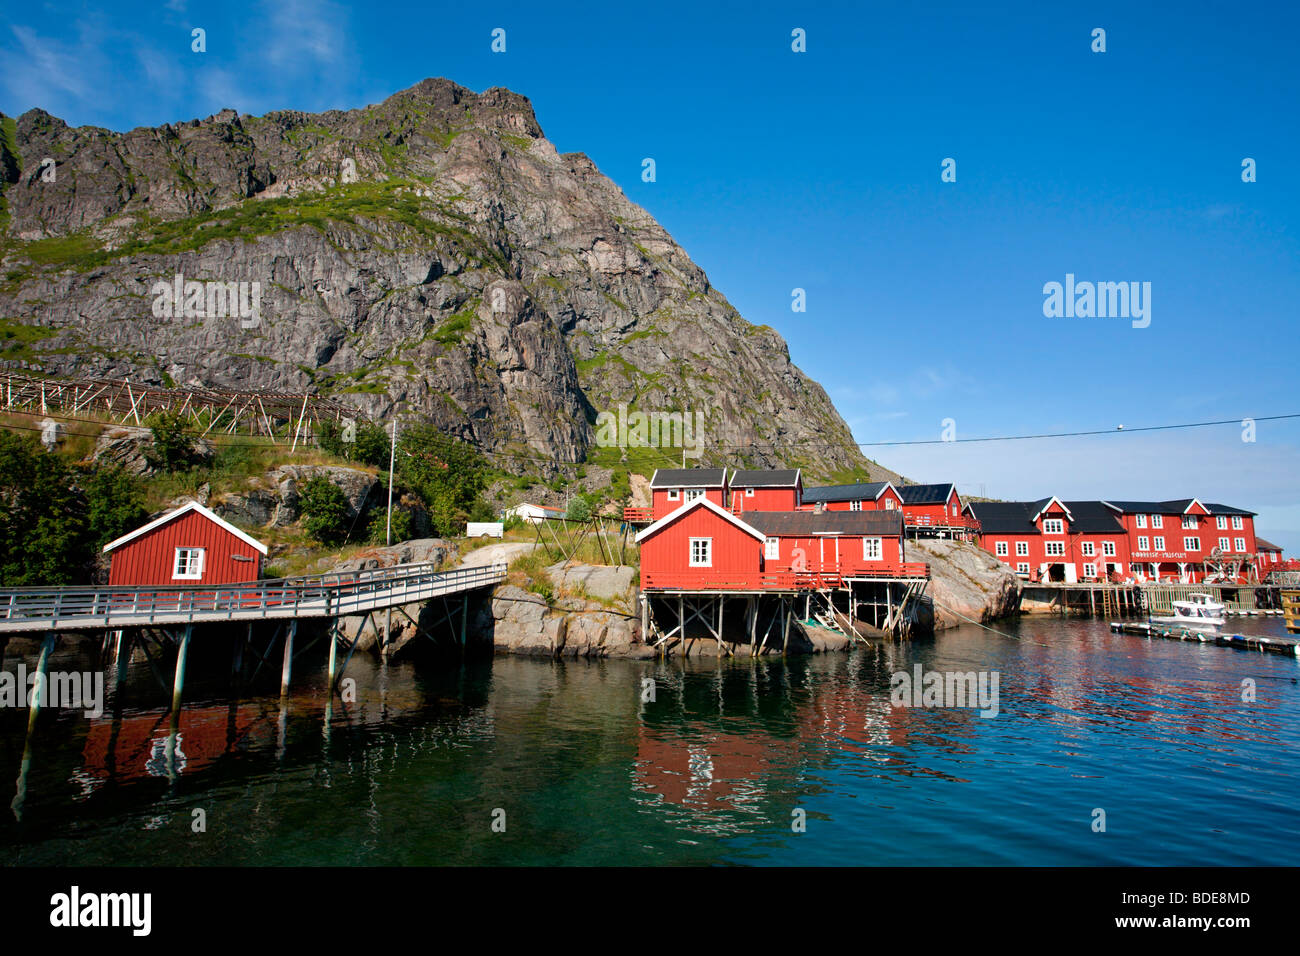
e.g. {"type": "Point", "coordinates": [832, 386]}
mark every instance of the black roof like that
{"type": "Point", "coordinates": [1262, 545]}
{"type": "Point", "coordinates": [689, 478]}
{"type": "Point", "coordinates": [1227, 510]}
{"type": "Point", "coordinates": [857, 491]}
{"type": "Point", "coordinates": [775, 478]}
{"type": "Point", "coordinates": [925, 494]}
{"type": "Point", "coordinates": [1007, 517]}
{"type": "Point", "coordinates": [775, 523]}
{"type": "Point", "coordinates": [1175, 506]}
{"type": "Point", "coordinates": [1017, 517]}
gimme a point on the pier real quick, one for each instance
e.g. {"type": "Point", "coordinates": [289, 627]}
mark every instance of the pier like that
{"type": "Point", "coordinates": [1248, 642]}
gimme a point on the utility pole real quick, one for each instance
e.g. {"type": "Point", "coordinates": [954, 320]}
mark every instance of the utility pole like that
{"type": "Point", "coordinates": [392, 457]}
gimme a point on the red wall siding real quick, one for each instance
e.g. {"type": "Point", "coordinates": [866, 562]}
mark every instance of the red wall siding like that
{"type": "Point", "coordinates": [150, 558]}
{"type": "Point", "coordinates": [736, 554]}
{"type": "Point", "coordinates": [660, 505]}
{"type": "Point", "coordinates": [764, 499]}
{"type": "Point", "coordinates": [820, 554]}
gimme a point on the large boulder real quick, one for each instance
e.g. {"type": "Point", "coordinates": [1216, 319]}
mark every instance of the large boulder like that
{"type": "Point", "coordinates": [126, 446]}
{"type": "Point", "coordinates": [522, 623]}
{"type": "Point", "coordinates": [360, 487]}
{"type": "Point", "coordinates": [967, 584]}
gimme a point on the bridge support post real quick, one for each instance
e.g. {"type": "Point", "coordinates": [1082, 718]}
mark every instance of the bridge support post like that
{"type": "Point", "coordinates": [286, 670]}
{"type": "Point", "coordinates": [645, 618]}
{"type": "Point", "coordinates": [785, 624]}
{"type": "Point", "coordinates": [123, 662]}
{"type": "Point", "coordinates": [41, 687]}
{"type": "Point", "coordinates": [178, 682]}
{"type": "Point", "coordinates": [334, 656]}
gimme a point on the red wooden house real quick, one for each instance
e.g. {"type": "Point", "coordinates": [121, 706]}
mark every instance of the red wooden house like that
{"type": "Point", "coordinates": [670, 488]}
{"type": "Point", "coordinates": [187, 546]}
{"type": "Point", "coordinates": [1054, 540]}
{"type": "Point", "coordinates": [1173, 540]}
{"type": "Point", "coordinates": [857, 496]}
{"type": "Point", "coordinates": [933, 507]}
{"type": "Point", "coordinates": [1268, 557]}
{"type": "Point", "coordinates": [773, 490]}
{"type": "Point", "coordinates": [833, 544]}
{"type": "Point", "coordinates": [700, 546]}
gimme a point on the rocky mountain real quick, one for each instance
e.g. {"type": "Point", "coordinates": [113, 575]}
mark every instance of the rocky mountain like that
{"type": "Point", "coordinates": [433, 251]}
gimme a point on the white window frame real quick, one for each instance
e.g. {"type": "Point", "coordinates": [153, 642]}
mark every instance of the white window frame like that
{"type": "Point", "coordinates": [1089, 549]}
{"type": "Point", "coordinates": [1238, 523]}
{"type": "Point", "coordinates": [1191, 544]}
{"type": "Point", "coordinates": [1159, 543]}
{"type": "Point", "coordinates": [1090, 570]}
{"type": "Point", "coordinates": [1157, 521]}
{"type": "Point", "coordinates": [855, 505]}
{"type": "Point", "coordinates": [193, 575]}
{"type": "Point", "coordinates": [1144, 543]}
{"type": "Point", "coordinates": [1022, 549]}
{"type": "Point", "coordinates": [1054, 549]}
{"type": "Point", "coordinates": [1221, 522]}
{"type": "Point", "coordinates": [1239, 545]}
{"type": "Point", "coordinates": [772, 549]}
{"type": "Point", "coordinates": [873, 544]}
{"type": "Point", "coordinates": [1223, 544]}
{"type": "Point", "coordinates": [889, 504]}
{"type": "Point", "coordinates": [749, 492]}
{"type": "Point", "coordinates": [1053, 526]}
{"type": "Point", "coordinates": [1000, 549]}
{"type": "Point", "coordinates": [1141, 521]}
{"type": "Point", "coordinates": [674, 494]}
{"type": "Point", "coordinates": [693, 493]}
{"type": "Point", "coordinates": [1108, 549]}
{"type": "Point", "coordinates": [1022, 567]}
{"type": "Point", "coordinates": [1190, 523]}
{"type": "Point", "coordinates": [707, 558]}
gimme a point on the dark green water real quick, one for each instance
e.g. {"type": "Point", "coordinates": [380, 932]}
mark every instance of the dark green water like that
{"type": "Point", "coordinates": [714, 770]}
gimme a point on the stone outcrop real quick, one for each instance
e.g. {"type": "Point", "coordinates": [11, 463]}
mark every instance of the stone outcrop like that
{"type": "Point", "coordinates": [966, 583]}
{"type": "Point", "coordinates": [432, 250]}
{"type": "Point", "coordinates": [127, 446]}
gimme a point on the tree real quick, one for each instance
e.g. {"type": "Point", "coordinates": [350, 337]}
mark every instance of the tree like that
{"type": "Point", "coordinates": [579, 509]}
{"type": "Point", "coordinates": [325, 510]}
{"type": "Point", "coordinates": [446, 473]}
{"type": "Point", "coordinates": [173, 442]}
{"type": "Point", "coordinates": [113, 504]}
{"type": "Point", "coordinates": [43, 530]}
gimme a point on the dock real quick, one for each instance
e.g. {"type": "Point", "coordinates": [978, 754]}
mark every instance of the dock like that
{"type": "Point", "coordinates": [1245, 642]}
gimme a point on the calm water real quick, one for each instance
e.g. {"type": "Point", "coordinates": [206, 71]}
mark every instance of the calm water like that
{"type": "Point", "coordinates": [1153, 732]}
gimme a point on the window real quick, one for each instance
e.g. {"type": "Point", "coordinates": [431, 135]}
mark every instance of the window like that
{"type": "Point", "coordinates": [871, 549]}
{"type": "Point", "coordinates": [954, 511]}
{"type": "Point", "coordinates": [855, 505]}
{"type": "Point", "coordinates": [1144, 543]}
{"type": "Point", "coordinates": [1237, 524]}
{"type": "Point", "coordinates": [1240, 544]}
{"type": "Point", "coordinates": [1055, 548]}
{"type": "Point", "coordinates": [674, 494]}
{"type": "Point", "coordinates": [1223, 544]}
{"type": "Point", "coordinates": [772, 548]}
{"type": "Point", "coordinates": [1141, 521]}
{"type": "Point", "coordinates": [749, 492]}
{"type": "Point", "coordinates": [1191, 544]}
{"type": "Point", "coordinates": [1108, 548]}
{"type": "Point", "coordinates": [1090, 570]}
{"type": "Point", "coordinates": [889, 504]}
{"type": "Point", "coordinates": [1022, 567]}
{"type": "Point", "coordinates": [701, 552]}
{"type": "Point", "coordinates": [1157, 521]}
{"type": "Point", "coordinates": [1000, 548]}
{"type": "Point", "coordinates": [1160, 542]}
{"type": "Point", "coordinates": [1022, 549]}
{"type": "Point", "coordinates": [1053, 526]}
{"type": "Point", "coordinates": [693, 493]}
{"type": "Point", "coordinates": [1089, 549]}
{"type": "Point", "coordinates": [1189, 522]}
{"type": "Point", "coordinates": [1221, 522]}
{"type": "Point", "coordinates": [189, 564]}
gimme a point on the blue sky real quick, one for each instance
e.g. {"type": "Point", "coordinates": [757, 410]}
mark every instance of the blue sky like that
{"type": "Point", "coordinates": [821, 171]}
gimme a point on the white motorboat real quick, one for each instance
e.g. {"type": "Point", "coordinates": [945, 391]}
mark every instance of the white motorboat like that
{"type": "Point", "coordinates": [1201, 613]}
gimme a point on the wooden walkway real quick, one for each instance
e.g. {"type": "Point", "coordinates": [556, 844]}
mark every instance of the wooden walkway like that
{"type": "Point", "coordinates": [1250, 642]}
{"type": "Point", "coordinates": [316, 596]}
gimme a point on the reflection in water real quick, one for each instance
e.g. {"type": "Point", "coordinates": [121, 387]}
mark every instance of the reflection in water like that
{"type": "Point", "coordinates": [709, 771]}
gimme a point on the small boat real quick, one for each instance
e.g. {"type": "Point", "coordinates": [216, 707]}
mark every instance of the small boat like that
{"type": "Point", "coordinates": [1201, 613]}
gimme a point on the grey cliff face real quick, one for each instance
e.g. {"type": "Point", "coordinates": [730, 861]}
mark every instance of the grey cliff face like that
{"type": "Point", "coordinates": [432, 251]}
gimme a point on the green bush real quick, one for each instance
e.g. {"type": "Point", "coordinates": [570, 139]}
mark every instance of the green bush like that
{"type": "Point", "coordinates": [403, 526]}
{"type": "Point", "coordinates": [579, 509]}
{"type": "Point", "coordinates": [324, 509]}
{"type": "Point", "coordinates": [447, 474]}
{"type": "Point", "coordinates": [173, 442]}
{"type": "Point", "coordinates": [113, 504]}
{"type": "Point", "coordinates": [44, 536]}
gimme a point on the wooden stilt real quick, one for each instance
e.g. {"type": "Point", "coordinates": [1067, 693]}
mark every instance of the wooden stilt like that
{"type": "Point", "coordinates": [237, 663]}
{"type": "Point", "coordinates": [334, 652]}
{"type": "Point", "coordinates": [41, 686]}
{"type": "Point", "coordinates": [286, 669]}
{"type": "Point", "coordinates": [464, 619]}
{"type": "Point", "coordinates": [681, 623]}
{"type": "Point", "coordinates": [178, 681]}
{"type": "Point", "coordinates": [785, 627]}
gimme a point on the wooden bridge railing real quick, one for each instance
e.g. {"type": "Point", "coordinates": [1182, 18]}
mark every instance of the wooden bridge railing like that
{"type": "Point", "coordinates": [322, 595]}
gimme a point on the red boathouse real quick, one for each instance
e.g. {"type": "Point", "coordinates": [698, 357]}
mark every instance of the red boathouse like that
{"type": "Point", "coordinates": [187, 546]}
